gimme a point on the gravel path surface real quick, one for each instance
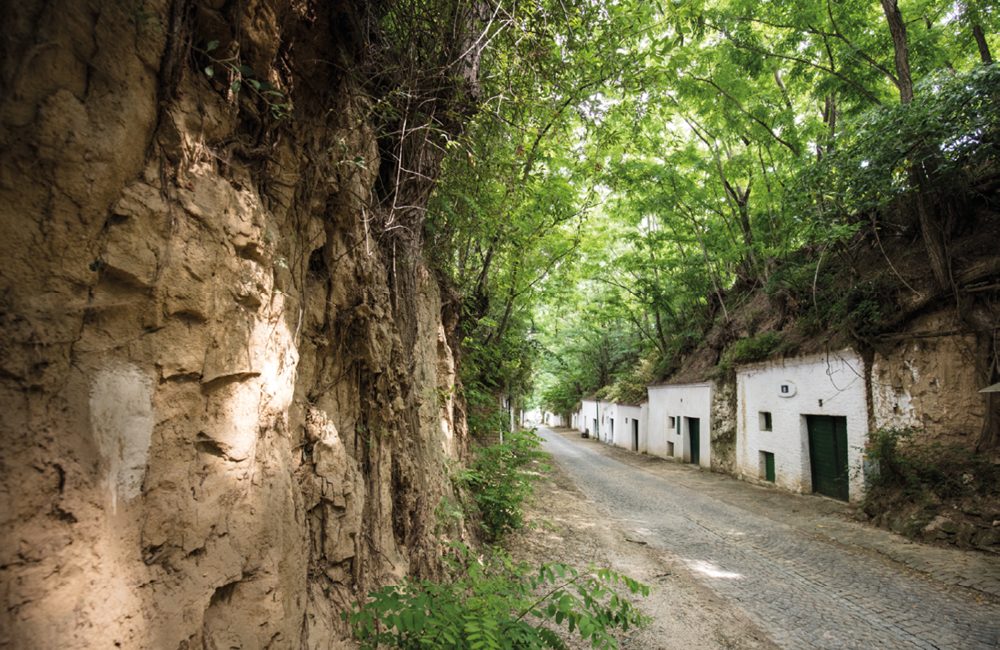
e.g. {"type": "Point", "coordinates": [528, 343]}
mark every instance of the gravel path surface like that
{"type": "Point", "coordinates": [804, 587]}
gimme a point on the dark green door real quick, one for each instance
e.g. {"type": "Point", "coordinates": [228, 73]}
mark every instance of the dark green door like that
{"type": "Point", "coordinates": [635, 435]}
{"type": "Point", "coordinates": [769, 466]}
{"type": "Point", "coordinates": [828, 455]}
{"type": "Point", "coordinates": [695, 435]}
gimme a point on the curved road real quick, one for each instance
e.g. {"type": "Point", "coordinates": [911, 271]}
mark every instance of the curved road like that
{"type": "Point", "coordinates": [802, 587]}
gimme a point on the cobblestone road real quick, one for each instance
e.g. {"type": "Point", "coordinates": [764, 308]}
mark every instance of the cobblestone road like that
{"type": "Point", "coordinates": [772, 557]}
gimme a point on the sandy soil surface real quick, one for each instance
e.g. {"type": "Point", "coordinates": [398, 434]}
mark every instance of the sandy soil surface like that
{"type": "Point", "coordinates": [564, 526]}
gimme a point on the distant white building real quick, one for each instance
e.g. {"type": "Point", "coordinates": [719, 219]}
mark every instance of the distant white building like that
{"type": "Point", "coordinates": [678, 422]}
{"type": "Point", "coordinates": [552, 419]}
{"type": "Point", "coordinates": [802, 423]}
{"type": "Point", "coordinates": [531, 418]}
{"type": "Point", "coordinates": [593, 417]}
{"type": "Point", "coordinates": [628, 426]}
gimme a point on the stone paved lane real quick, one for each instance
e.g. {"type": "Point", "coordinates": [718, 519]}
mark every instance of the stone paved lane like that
{"type": "Point", "coordinates": [804, 587]}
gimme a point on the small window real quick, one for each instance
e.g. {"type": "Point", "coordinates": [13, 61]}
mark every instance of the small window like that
{"type": "Point", "coordinates": [765, 421]}
{"type": "Point", "coordinates": [673, 422]}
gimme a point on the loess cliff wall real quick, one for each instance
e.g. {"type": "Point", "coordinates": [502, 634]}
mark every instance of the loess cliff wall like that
{"type": "Point", "coordinates": [227, 387]}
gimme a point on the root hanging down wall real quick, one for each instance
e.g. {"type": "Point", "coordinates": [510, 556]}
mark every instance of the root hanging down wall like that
{"type": "Point", "coordinates": [222, 385]}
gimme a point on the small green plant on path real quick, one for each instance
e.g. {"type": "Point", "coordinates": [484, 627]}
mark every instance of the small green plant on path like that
{"type": "Point", "coordinates": [494, 603]}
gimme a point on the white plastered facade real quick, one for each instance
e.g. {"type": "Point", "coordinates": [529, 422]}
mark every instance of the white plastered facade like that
{"type": "Point", "coordinates": [606, 417]}
{"type": "Point", "coordinates": [830, 384]}
{"type": "Point", "coordinates": [590, 417]}
{"type": "Point", "coordinates": [670, 411]}
{"type": "Point", "coordinates": [627, 418]}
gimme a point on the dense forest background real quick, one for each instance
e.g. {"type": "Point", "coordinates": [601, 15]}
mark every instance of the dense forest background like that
{"type": "Point", "coordinates": [658, 190]}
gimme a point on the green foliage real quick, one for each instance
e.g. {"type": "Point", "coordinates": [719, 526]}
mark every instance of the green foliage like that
{"type": "Point", "coordinates": [500, 481]}
{"type": "Point", "coordinates": [630, 386]}
{"type": "Point", "coordinates": [493, 603]}
{"type": "Point", "coordinates": [486, 417]}
{"type": "Point", "coordinates": [639, 167]}
{"type": "Point", "coordinates": [752, 349]}
{"type": "Point", "coordinates": [951, 131]}
{"type": "Point", "coordinates": [828, 297]}
{"type": "Point", "coordinates": [917, 467]}
{"type": "Point", "coordinates": [234, 77]}
{"type": "Point", "coordinates": [864, 308]}
{"type": "Point", "coordinates": [448, 515]}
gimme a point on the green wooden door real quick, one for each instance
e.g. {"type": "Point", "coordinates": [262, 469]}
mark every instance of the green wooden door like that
{"type": "Point", "coordinates": [694, 434]}
{"type": "Point", "coordinates": [769, 466]}
{"type": "Point", "coordinates": [828, 455]}
{"type": "Point", "coordinates": [635, 435]}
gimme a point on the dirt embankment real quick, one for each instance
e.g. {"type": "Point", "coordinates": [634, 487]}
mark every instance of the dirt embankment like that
{"type": "Point", "coordinates": [227, 390]}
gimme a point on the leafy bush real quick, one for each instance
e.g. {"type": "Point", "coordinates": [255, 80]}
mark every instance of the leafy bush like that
{"type": "Point", "coordinates": [863, 308]}
{"type": "Point", "coordinates": [629, 386]}
{"type": "Point", "coordinates": [754, 348]}
{"type": "Point", "coordinates": [794, 278]}
{"type": "Point", "coordinates": [493, 603]}
{"type": "Point", "coordinates": [500, 483]}
{"type": "Point", "coordinates": [950, 131]}
{"type": "Point", "coordinates": [485, 416]}
{"type": "Point", "coordinates": [833, 299]}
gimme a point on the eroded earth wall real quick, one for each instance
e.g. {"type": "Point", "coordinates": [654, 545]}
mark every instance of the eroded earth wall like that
{"type": "Point", "coordinates": [226, 392]}
{"type": "Point", "coordinates": [927, 380]}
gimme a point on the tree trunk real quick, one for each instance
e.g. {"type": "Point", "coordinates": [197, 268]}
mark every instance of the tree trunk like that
{"type": "Point", "coordinates": [897, 28]}
{"type": "Point", "coordinates": [984, 47]}
{"type": "Point", "coordinates": [931, 229]}
{"type": "Point", "coordinates": [830, 120]}
{"type": "Point", "coordinates": [741, 199]}
{"type": "Point", "coordinates": [930, 225]}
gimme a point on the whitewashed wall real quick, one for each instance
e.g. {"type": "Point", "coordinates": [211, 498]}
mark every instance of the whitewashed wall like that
{"type": "Point", "coordinates": [832, 384]}
{"type": "Point", "coordinates": [643, 427]}
{"type": "Point", "coordinates": [679, 401]}
{"type": "Point", "coordinates": [607, 413]}
{"type": "Point", "coordinates": [532, 417]}
{"type": "Point", "coordinates": [588, 415]}
{"type": "Point", "coordinates": [612, 423]}
{"type": "Point", "coordinates": [625, 415]}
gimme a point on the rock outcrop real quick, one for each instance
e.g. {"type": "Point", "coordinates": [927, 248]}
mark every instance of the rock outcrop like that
{"type": "Point", "coordinates": [226, 386]}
